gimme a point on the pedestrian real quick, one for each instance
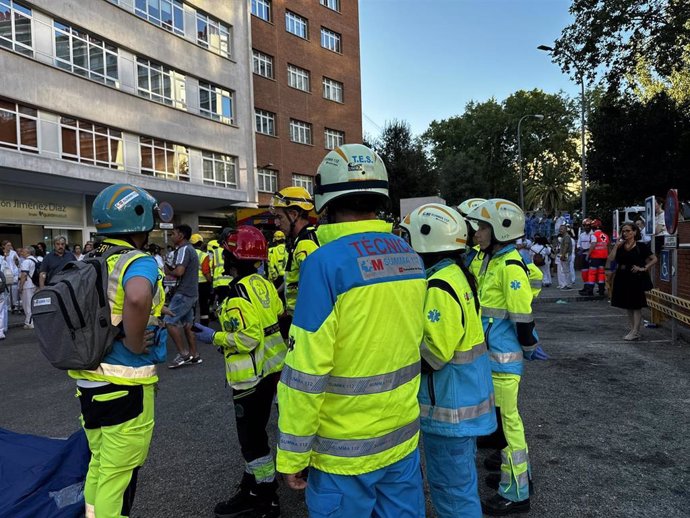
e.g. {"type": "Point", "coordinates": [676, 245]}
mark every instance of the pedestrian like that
{"type": "Point", "coordinates": [541, 257]}
{"type": "Point", "coordinates": [506, 299]}
{"type": "Point", "coordinates": [88, 247]}
{"type": "Point", "coordinates": [254, 356]}
{"type": "Point", "coordinates": [12, 260]}
{"type": "Point", "coordinates": [4, 298]}
{"type": "Point", "coordinates": [633, 259]}
{"type": "Point", "coordinates": [77, 252]}
{"type": "Point", "coordinates": [117, 398]}
{"type": "Point", "coordinates": [55, 260]}
{"type": "Point", "coordinates": [40, 251]}
{"type": "Point", "coordinates": [598, 253]}
{"type": "Point", "coordinates": [184, 267]}
{"type": "Point", "coordinates": [456, 393]}
{"type": "Point", "coordinates": [348, 392]}
{"type": "Point", "coordinates": [571, 262]}
{"type": "Point", "coordinates": [643, 231]}
{"type": "Point", "coordinates": [204, 278]}
{"type": "Point", "coordinates": [563, 252]}
{"type": "Point", "coordinates": [291, 207]}
{"type": "Point", "coordinates": [27, 288]}
{"type": "Point", "coordinates": [155, 252]}
{"type": "Point", "coordinates": [584, 241]}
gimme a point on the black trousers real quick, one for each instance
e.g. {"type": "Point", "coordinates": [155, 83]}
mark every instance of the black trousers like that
{"type": "Point", "coordinates": [252, 411]}
{"type": "Point", "coordinates": [204, 300]}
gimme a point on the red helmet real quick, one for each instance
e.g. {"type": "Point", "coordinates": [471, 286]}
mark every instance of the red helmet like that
{"type": "Point", "coordinates": [247, 243]}
{"type": "Point", "coordinates": [596, 223]}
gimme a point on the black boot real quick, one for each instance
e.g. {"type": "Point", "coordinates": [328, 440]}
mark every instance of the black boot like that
{"type": "Point", "coordinates": [245, 499]}
{"type": "Point", "coordinates": [602, 289]}
{"type": "Point", "coordinates": [499, 506]}
{"type": "Point", "coordinates": [587, 291]}
{"type": "Point", "coordinates": [268, 505]}
{"type": "Point", "coordinates": [493, 461]}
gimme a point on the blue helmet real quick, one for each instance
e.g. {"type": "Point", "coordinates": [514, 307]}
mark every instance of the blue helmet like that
{"type": "Point", "coordinates": [123, 208]}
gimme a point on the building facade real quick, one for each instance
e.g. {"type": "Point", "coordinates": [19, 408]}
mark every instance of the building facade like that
{"type": "Point", "coordinates": [157, 93]}
{"type": "Point", "coordinates": [307, 93]}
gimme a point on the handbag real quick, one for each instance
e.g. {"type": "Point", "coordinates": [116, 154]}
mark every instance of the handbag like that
{"type": "Point", "coordinates": [538, 258]}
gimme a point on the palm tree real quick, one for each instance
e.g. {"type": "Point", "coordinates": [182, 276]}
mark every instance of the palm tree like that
{"type": "Point", "coordinates": [549, 184]}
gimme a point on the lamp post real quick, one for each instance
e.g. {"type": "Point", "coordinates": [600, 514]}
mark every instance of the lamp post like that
{"type": "Point", "coordinates": [581, 78]}
{"type": "Point", "coordinates": [537, 116]}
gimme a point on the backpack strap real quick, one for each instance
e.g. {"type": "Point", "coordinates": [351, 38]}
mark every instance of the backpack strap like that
{"type": "Point", "coordinates": [445, 286]}
{"type": "Point", "coordinates": [520, 263]}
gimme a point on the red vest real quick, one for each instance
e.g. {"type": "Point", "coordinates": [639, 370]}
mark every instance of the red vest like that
{"type": "Point", "coordinates": [600, 248]}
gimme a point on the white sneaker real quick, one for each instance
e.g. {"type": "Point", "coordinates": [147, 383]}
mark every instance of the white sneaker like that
{"type": "Point", "coordinates": [2, 336]}
{"type": "Point", "coordinates": [28, 326]}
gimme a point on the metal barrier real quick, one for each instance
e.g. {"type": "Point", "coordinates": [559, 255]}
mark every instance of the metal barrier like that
{"type": "Point", "coordinates": [667, 304]}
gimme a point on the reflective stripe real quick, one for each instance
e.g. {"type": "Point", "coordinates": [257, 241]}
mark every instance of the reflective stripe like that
{"type": "Point", "coordinates": [90, 511]}
{"type": "Point", "coordinates": [349, 386]}
{"type": "Point", "coordinates": [247, 341]}
{"type": "Point", "coordinates": [126, 372]}
{"type": "Point", "coordinates": [521, 317]}
{"type": "Point", "coordinates": [263, 468]}
{"type": "Point", "coordinates": [522, 479]}
{"type": "Point", "coordinates": [535, 284]}
{"type": "Point", "coordinates": [529, 348]}
{"type": "Point", "coordinates": [430, 358]}
{"type": "Point", "coordinates": [463, 357]}
{"type": "Point", "coordinates": [505, 357]}
{"type": "Point", "coordinates": [494, 312]}
{"type": "Point", "coordinates": [456, 415]}
{"type": "Point", "coordinates": [348, 447]}
{"type": "Point", "coordinates": [520, 457]}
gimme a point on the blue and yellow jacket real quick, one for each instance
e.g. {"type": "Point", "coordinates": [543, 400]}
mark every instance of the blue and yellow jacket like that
{"type": "Point", "coordinates": [457, 397]}
{"type": "Point", "coordinates": [506, 297]}
{"type": "Point", "coordinates": [348, 391]}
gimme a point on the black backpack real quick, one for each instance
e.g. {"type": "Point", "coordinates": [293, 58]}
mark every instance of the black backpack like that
{"type": "Point", "coordinates": [37, 271]}
{"type": "Point", "coordinates": [71, 314]}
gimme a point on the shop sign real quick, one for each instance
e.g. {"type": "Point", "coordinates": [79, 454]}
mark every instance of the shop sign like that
{"type": "Point", "coordinates": [36, 207]}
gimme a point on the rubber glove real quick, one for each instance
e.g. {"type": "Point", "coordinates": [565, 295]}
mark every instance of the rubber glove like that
{"type": "Point", "coordinates": [203, 334]}
{"type": "Point", "coordinates": [537, 354]}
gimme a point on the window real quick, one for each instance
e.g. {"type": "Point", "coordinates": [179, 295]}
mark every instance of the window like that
{"type": "Point", "coordinates": [263, 64]}
{"type": "Point", "coordinates": [330, 40]}
{"type": "Point", "coordinates": [332, 90]}
{"type": "Point", "coordinates": [296, 25]}
{"type": "Point", "coordinates": [298, 78]}
{"type": "Point", "coordinates": [15, 27]}
{"type": "Point", "coordinates": [160, 84]}
{"type": "Point", "coordinates": [265, 122]}
{"type": "Point", "coordinates": [83, 54]}
{"type": "Point", "coordinates": [262, 9]}
{"type": "Point", "coordinates": [331, 4]}
{"type": "Point", "coordinates": [300, 131]}
{"type": "Point", "coordinates": [215, 102]}
{"type": "Point", "coordinates": [212, 34]}
{"type": "Point", "coordinates": [164, 159]}
{"type": "Point", "coordinates": [268, 180]}
{"type": "Point", "coordinates": [219, 170]}
{"type": "Point", "coordinates": [302, 180]}
{"type": "Point", "coordinates": [333, 138]}
{"type": "Point", "coordinates": [168, 14]}
{"type": "Point", "coordinates": [18, 126]}
{"type": "Point", "coordinates": [91, 143]}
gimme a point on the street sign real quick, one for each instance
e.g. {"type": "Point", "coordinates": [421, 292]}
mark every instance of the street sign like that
{"type": "Point", "coordinates": [671, 211]}
{"type": "Point", "coordinates": [665, 269]}
{"type": "Point", "coordinates": [670, 241]}
{"type": "Point", "coordinates": [165, 212]}
{"type": "Point", "coordinates": [649, 206]}
{"type": "Point", "coordinates": [166, 226]}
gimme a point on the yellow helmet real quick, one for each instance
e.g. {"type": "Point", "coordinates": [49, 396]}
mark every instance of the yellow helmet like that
{"type": "Point", "coordinates": [196, 238]}
{"type": "Point", "coordinates": [279, 235]}
{"type": "Point", "coordinates": [292, 197]}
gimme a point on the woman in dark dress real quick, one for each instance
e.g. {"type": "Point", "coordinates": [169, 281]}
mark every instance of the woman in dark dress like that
{"type": "Point", "coordinates": [634, 258]}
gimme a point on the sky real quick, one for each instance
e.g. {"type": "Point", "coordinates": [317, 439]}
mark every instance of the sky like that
{"type": "Point", "coordinates": [424, 60]}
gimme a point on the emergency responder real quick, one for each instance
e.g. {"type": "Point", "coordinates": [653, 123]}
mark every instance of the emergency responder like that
{"type": "Point", "coordinates": [598, 253]}
{"type": "Point", "coordinates": [197, 241]}
{"type": "Point", "coordinates": [456, 394]}
{"type": "Point", "coordinates": [464, 209]}
{"type": "Point", "coordinates": [221, 279]}
{"type": "Point", "coordinates": [348, 392]}
{"type": "Point", "coordinates": [254, 355]}
{"type": "Point", "coordinates": [117, 398]}
{"type": "Point", "coordinates": [291, 207]}
{"type": "Point", "coordinates": [506, 299]}
{"type": "Point", "coordinates": [277, 255]}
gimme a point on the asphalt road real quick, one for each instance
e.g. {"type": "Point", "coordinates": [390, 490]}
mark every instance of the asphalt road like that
{"type": "Point", "coordinates": [607, 422]}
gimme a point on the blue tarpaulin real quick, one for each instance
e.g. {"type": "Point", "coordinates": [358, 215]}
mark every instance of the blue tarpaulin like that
{"type": "Point", "coordinates": [42, 477]}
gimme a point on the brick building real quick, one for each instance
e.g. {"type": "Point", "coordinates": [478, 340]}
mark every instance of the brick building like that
{"type": "Point", "coordinates": [307, 94]}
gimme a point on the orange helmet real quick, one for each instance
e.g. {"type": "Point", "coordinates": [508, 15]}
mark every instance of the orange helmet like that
{"type": "Point", "coordinates": [247, 243]}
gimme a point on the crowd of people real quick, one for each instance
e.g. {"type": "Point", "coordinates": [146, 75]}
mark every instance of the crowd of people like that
{"type": "Point", "coordinates": [368, 336]}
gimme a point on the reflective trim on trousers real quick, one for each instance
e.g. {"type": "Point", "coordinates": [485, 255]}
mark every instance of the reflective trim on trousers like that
{"type": "Point", "coordinates": [505, 357]}
{"type": "Point", "coordinates": [263, 469]}
{"type": "Point", "coordinates": [519, 457]}
{"type": "Point", "coordinates": [456, 415]}
{"type": "Point", "coordinates": [349, 386]}
{"type": "Point", "coordinates": [126, 372]}
{"type": "Point", "coordinates": [522, 479]}
{"type": "Point", "coordinates": [347, 447]}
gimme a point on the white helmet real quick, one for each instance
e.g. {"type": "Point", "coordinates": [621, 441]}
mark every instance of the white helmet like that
{"type": "Point", "coordinates": [506, 219]}
{"type": "Point", "coordinates": [435, 228]}
{"type": "Point", "coordinates": [466, 207]}
{"type": "Point", "coordinates": [349, 169]}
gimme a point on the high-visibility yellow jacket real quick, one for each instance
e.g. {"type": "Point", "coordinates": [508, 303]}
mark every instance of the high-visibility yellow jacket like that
{"type": "Point", "coordinates": [250, 335]}
{"type": "Point", "coordinates": [218, 269]}
{"type": "Point", "coordinates": [204, 265]}
{"type": "Point", "coordinates": [305, 243]}
{"type": "Point", "coordinates": [457, 397]}
{"type": "Point", "coordinates": [348, 392]}
{"type": "Point", "coordinates": [121, 365]}
{"type": "Point", "coordinates": [506, 297]}
{"type": "Point", "coordinates": [277, 257]}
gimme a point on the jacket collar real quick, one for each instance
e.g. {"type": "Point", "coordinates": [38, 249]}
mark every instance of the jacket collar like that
{"type": "Point", "coordinates": [331, 232]}
{"type": "Point", "coordinates": [439, 266]}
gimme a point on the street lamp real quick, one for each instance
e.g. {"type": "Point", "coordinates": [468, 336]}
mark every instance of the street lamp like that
{"type": "Point", "coordinates": [581, 78]}
{"type": "Point", "coordinates": [539, 117]}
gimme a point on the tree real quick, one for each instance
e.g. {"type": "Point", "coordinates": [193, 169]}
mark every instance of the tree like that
{"type": "Point", "coordinates": [615, 34]}
{"type": "Point", "coordinates": [549, 189]}
{"type": "Point", "coordinates": [409, 173]}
